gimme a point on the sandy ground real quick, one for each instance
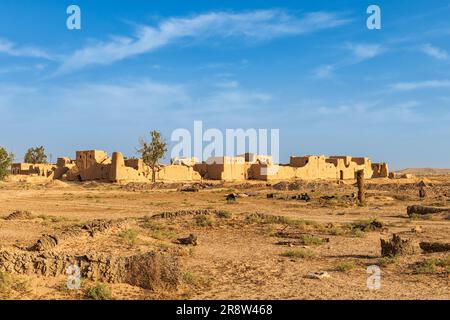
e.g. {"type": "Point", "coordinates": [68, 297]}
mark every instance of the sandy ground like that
{"type": "Point", "coordinates": [237, 256]}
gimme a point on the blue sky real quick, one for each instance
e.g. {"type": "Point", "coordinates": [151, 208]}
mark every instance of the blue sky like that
{"type": "Point", "coordinates": [310, 68]}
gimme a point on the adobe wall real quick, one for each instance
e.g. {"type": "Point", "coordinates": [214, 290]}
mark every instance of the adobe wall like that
{"type": "Point", "coordinates": [177, 173]}
{"type": "Point", "coordinates": [120, 173]}
{"type": "Point", "coordinates": [313, 168]}
{"type": "Point", "coordinates": [39, 169]}
{"type": "Point", "coordinates": [380, 170]}
{"type": "Point", "coordinates": [223, 168]}
{"type": "Point", "coordinates": [139, 166]}
{"type": "Point", "coordinates": [87, 159]}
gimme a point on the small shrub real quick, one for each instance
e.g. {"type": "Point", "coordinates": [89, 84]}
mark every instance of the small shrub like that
{"type": "Point", "coordinates": [432, 265]}
{"type": "Point", "coordinates": [163, 234]}
{"type": "Point", "coordinates": [358, 233]}
{"type": "Point", "coordinates": [298, 253]}
{"type": "Point", "coordinates": [345, 266]}
{"type": "Point", "coordinates": [129, 236]}
{"type": "Point", "coordinates": [252, 219]}
{"type": "Point", "coordinates": [336, 231]}
{"type": "Point", "coordinates": [8, 284]}
{"type": "Point", "coordinates": [203, 220]}
{"type": "Point", "coordinates": [415, 216]}
{"type": "Point", "coordinates": [99, 291]}
{"type": "Point", "coordinates": [385, 261]}
{"type": "Point", "coordinates": [152, 224]}
{"type": "Point", "coordinates": [367, 225]}
{"type": "Point", "coordinates": [311, 240]}
{"type": "Point", "coordinates": [224, 214]}
{"type": "Point", "coordinates": [5, 283]}
{"type": "Point", "coordinates": [190, 278]}
{"type": "Point", "coordinates": [52, 219]}
{"type": "Point", "coordinates": [195, 280]}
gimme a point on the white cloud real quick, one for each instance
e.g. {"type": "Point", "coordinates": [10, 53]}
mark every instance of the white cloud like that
{"type": "Point", "coordinates": [359, 53]}
{"type": "Point", "coordinates": [435, 52]}
{"type": "Point", "coordinates": [408, 86]}
{"type": "Point", "coordinates": [257, 25]}
{"type": "Point", "coordinates": [232, 84]}
{"type": "Point", "coordinates": [324, 71]}
{"type": "Point", "coordinates": [10, 48]}
{"type": "Point", "coordinates": [364, 51]}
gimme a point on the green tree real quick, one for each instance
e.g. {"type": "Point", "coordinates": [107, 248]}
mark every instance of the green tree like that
{"type": "Point", "coordinates": [6, 159]}
{"type": "Point", "coordinates": [153, 151]}
{"type": "Point", "coordinates": [35, 155]}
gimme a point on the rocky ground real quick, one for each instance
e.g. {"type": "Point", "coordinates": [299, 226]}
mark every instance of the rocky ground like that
{"type": "Point", "coordinates": [291, 240]}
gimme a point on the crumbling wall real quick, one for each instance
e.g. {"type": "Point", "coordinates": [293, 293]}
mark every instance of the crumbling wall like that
{"type": "Point", "coordinates": [223, 168]}
{"type": "Point", "coordinates": [177, 173]}
{"type": "Point", "coordinates": [38, 169]}
{"type": "Point", "coordinates": [119, 172]}
{"type": "Point", "coordinates": [380, 170]}
{"type": "Point", "coordinates": [149, 270]}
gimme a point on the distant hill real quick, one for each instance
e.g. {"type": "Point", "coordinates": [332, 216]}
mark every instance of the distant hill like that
{"type": "Point", "coordinates": [425, 171]}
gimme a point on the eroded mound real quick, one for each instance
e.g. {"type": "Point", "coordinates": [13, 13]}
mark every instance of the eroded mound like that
{"type": "Point", "coordinates": [50, 241]}
{"type": "Point", "coordinates": [183, 213]}
{"type": "Point", "coordinates": [20, 215]}
{"type": "Point", "coordinates": [149, 270]}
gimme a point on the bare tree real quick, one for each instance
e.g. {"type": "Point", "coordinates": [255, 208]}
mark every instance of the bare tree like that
{"type": "Point", "coordinates": [153, 151]}
{"type": "Point", "coordinates": [35, 155]}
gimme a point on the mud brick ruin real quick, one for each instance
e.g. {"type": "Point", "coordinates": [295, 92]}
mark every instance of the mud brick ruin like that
{"type": "Point", "coordinates": [97, 165]}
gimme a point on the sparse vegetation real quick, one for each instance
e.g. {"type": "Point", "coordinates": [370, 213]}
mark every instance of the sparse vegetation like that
{"type": "Point", "coordinates": [224, 214]}
{"type": "Point", "coordinates": [367, 225]}
{"type": "Point", "coordinates": [358, 233]}
{"type": "Point", "coordinates": [345, 266]}
{"type": "Point", "coordinates": [10, 284]}
{"type": "Point", "coordinates": [311, 240]}
{"type": "Point", "coordinates": [99, 291]}
{"type": "Point", "coordinates": [6, 159]}
{"type": "Point", "coordinates": [129, 236]}
{"type": "Point", "coordinates": [203, 220]}
{"type": "Point", "coordinates": [190, 278]}
{"type": "Point", "coordinates": [386, 261]}
{"type": "Point", "coordinates": [432, 265]}
{"type": "Point", "coordinates": [272, 219]}
{"type": "Point", "coordinates": [193, 279]}
{"type": "Point", "coordinates": [298, 253]}
{"type": "Point", "coordinates": [158, 230]}
{"type": "Point", "coordinates": [5, 283]}
{"type": "Point", "coordinates": [53, 219]}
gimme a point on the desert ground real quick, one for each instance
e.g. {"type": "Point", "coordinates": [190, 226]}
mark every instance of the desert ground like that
{"type": "Point", "coordinates": [263, 245]}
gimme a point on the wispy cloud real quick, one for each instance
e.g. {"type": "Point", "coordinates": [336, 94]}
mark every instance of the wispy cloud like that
{"type": "Point", "coordinates": [365, 51]}
{"type": "Point", "coordinates": [359, 53]}
{"type": "Point", "coordinates": [12, 49]}
{"type": "Point", "coordinates": [259, 25]}
{"type": "Point", "coordinates": [435, 52]}
{"type": "Point", "coordinates": [231, 84]}
{"type": "Point", "coordinates": [408, 86]}
{"type": "Point", "coordinates": [325, 71]}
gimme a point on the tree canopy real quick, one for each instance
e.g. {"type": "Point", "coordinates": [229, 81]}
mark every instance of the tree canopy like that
{"type": "Point", "coordinates": [153, 151]}
{"type": "Point", "coordinates": [6, 159]}
{"type": "Point", "coordinates": [35, 155]}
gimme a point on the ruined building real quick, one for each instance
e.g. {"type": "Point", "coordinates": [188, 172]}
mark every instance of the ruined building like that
{"type": "Point", "coordinates": [97, 165]}
{"type": "Point", "coordinates": [250, 166]}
